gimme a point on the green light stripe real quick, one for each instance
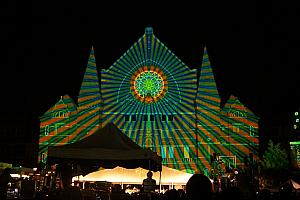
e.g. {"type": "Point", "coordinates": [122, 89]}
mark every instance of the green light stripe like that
{"type": "Point", "coordinates": [182, 100]}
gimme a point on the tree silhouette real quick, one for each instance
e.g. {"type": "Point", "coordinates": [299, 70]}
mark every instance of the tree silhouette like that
{"type": "Point", "coordinates": [275, 164]}
{"type": "Point", "coordinates": [275, 158]}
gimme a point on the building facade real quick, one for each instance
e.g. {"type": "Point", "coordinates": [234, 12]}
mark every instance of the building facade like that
{"type": "Point", "coordinates": [160, 103]}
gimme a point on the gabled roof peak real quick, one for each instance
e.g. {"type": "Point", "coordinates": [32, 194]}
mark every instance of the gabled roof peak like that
{"type": "Point", "coordinates": [232, 97]}
{"type": "Point", "coordinates": [148, 30]}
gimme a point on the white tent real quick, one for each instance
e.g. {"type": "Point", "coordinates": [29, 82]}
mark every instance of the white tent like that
{"type": "Point", "coordinates": [119, 175]}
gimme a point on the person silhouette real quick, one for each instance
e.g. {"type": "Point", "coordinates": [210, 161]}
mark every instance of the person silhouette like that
{"type": "Point", "coordinates": [149, 183]}
{"type": "Point", "coordinates": [172, 194]}
{"type": "Point", "coordinates": [68, 191]}
{"type": "Point", "coordinates": [197, 186]}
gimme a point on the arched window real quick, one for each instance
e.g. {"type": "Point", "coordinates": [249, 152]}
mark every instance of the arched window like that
{"type": "Point", "coordinates": [237, 114]}
{"type": "Point", "coordinates": [133, 118]}
{"type": "Point", "coordinates": [252, 131]}
{"type": "Point", "coordinates": [171, 152]}
{"type": "Point", "coordinates": [186, 151]}
{"type": "Point", "coordinates": [60, 114]}
{"type": "Point", "coordinates": [58, 126]}
{"type": "Point", "coordinates": [163, 151]}
{"type": "Point", "coordinates": [127, 117]}
{"type": "Point", "coordinates": [43, 157]}
{"type": "Point", "coordinates": [170, 118]}
{"type": "Point", "coordinates": [236, 127]}
{"type": "Point", "coordinates": [148, 141]}
{"type": "Point", "coordinates": [46, 130]}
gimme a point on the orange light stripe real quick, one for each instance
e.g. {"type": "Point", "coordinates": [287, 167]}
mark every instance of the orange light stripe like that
{"type": "Point", "coordinates": [88, 98]}
{"type": "Point", "coordinates": [221, 121]}
{"type": "Point", "coordinates": [218, 131]}
{"type": "Point", "coordinates": [79, 130]}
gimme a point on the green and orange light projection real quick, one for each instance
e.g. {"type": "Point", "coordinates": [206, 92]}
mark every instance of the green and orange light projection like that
{"type": "Point", "coordinates": [154, 98]}
{"type": "Point", "coordinates": [149, 85]}
{"type": "Point", "coordinates": [66, 122]}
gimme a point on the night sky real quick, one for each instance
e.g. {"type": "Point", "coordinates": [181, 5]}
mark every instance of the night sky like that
{"type": "Point", "coordinates": [253, 50]}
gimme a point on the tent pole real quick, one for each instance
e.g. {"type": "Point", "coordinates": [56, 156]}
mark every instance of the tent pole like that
{"type": "Point", "coordinates": [159, 181]}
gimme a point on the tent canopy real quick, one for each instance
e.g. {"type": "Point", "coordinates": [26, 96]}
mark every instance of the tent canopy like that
{"type": "Point", "coordinates": [108, 147]}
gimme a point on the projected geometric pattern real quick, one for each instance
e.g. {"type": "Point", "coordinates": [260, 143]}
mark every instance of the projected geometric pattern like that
{"type": "Point", "coordinates": [154, 98]}
{"type": "Point", "coordinates": [230, 131]}
{"type": "Point", "coordinates": [167, 125]}
{"type": "Point", "coordinates": [240, 128]}
{"type": "Point", "coordinates": [148, 85]}
{"type": "Point", "coordinates": [89, 101]}
{"type": "Point", "coordinates": [65, 122]}
{"type": "Point", "coordinates": [207, 108]}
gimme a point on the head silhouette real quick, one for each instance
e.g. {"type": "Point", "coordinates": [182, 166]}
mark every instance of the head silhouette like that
{"type": "Point", "coordinates": [149, 174]}
{"type": "Point", "coordinates": [172, 194]}
{"type": "Point", "coordinates": [197, 186]}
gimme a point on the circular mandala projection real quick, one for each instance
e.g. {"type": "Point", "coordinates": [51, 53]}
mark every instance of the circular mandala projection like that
{"type": "Point", "coordinates": [149, 85]}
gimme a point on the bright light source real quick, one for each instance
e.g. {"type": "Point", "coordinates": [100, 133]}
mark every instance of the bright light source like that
{"type": "Point", "coordinates": [297, 120]}
{"type": "Point", "coordinates": [34, 169]}
{"type": "Point", "coordinates": [296, 113]}
{"type": "Point", "coordinates": [295, 126]}
{"type": "Point", "coordinates": [18, 176]}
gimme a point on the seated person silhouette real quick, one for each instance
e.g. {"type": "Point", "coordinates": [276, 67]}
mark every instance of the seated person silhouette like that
{"type": "Point", "coordinates": [149, 183]}
{"type": "Point", "coordinates": [199, 187]}
{"type": "Point", "coordinates": [68, 191]}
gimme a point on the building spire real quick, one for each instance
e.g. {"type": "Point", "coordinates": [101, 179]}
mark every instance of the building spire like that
{"type": "Point", "coordinates": [90, 91]}
{"type": "Point", "coordinates": [207, 89]}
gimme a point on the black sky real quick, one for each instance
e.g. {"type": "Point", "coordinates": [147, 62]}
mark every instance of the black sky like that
{"type": "Point", "coordinates": [253, 49]}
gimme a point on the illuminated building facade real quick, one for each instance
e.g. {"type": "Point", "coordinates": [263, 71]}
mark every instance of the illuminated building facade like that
{"type": "Point", "coordinates": [160, 103]}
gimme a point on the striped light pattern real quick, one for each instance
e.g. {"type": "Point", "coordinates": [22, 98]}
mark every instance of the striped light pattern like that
{"type": "Point", "coordinates": [154, 98]}
{"type": "Point", "coordinates": [57, 124]}
{"type": "Point", "coordinates": [240, 126]}
{"type": "Point", "coordinates": [149, 85]}
{"type": "Point", "coordinates": [230, 131]}
{"type": "Point", "coordinates": [66, 122]}
{"type": "Point", "coordinates": [89, 101]}
{"type": "Point", "coordinates": [171, 139]}
{"type": "Point", "coordinates": [207, 118]}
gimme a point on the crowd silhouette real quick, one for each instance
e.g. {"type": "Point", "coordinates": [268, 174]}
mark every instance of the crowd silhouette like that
{"type": "Point", "coordinates": [198, 187]}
